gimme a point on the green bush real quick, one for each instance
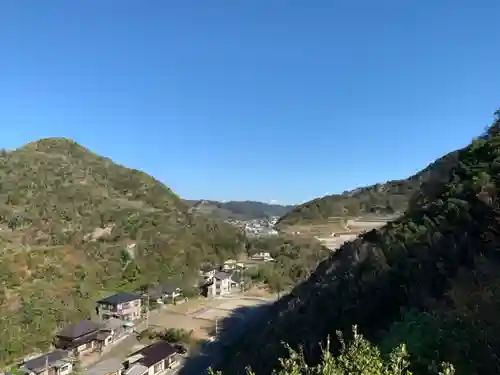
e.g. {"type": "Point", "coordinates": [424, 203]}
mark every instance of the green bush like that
{"type": "Point", "coordinates": [357, 357]}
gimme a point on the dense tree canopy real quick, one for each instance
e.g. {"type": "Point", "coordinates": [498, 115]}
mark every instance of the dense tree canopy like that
{"type": "Point", "coordinates": [429, 279]}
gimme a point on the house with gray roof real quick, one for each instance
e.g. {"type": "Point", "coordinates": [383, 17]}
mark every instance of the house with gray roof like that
{"type": "Point", "coordinates": [79, 339]}
{"type": "Point", "coordinates": [221, 284]}
{"type": "Point", "coordinates": [57, 362]}
{"type": "Point", "coordinates": [124, 306]}
{"type": "Point", "coordinates": [153, 359]}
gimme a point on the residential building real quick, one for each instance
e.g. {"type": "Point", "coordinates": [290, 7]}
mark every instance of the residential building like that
{"type": "Point", "coordinates": [167, 291]}
{"type": "Point", "coordinates": [221, 284]}
{"type": "Point", "coordinates": [110, 366]}
{"type": "Point", "coordinates": [264, 256]}
{"type": "Point", "coordinates": [124, 306]}
{"type": "Point", "coordinates": [154, 359]}
{"type": "Point", "coordinates": [57, 362]}
{"type": "Point", "coordinates": [79, 339]}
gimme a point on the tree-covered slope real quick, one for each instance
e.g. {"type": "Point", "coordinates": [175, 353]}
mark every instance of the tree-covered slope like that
{"type": "Point", "coordinates": [389, 198]}
{"type": "Point", "coordinates": [73, 223]}
{"type": "Point", "coordinates": [429, 279]}
{"type": "Point", "coordinates": [239, 210]}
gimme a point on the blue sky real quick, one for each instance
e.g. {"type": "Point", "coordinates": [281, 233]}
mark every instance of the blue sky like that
{"type": "Point", "coordinates": [263, 99]}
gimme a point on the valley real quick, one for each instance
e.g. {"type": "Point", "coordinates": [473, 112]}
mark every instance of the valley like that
{"type": "Point", "coordinates": [78, 230]}
{"type": "Point", "coordinates": [337, 231]}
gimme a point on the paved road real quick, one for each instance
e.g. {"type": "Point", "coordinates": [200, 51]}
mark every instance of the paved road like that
{"type": "Point", "coordinates": [214, 353]}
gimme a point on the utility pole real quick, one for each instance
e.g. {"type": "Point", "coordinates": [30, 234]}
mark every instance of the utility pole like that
{"type": "Point", "coordinates": [216, 327]}
{"type": "Point", "coordinates": [147, 312]}
{"type": "Point", "coordinates": [147, 309]}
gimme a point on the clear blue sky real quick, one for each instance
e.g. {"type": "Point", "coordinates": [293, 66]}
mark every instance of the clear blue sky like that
{"type": "Point", "coordinates": [263, 99]}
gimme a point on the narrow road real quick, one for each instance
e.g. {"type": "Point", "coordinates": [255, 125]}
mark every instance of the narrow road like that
{"type": "Point", "coordinates": [214, 353]}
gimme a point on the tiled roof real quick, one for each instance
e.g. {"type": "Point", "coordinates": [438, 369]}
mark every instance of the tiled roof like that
{"type": "Point", "coordinates": [222, 275]}
{"type": "Point", "coordinates": [79, 329]}
{"type": "Point", "coordinates": [118, 298]}
{"type": "Point", "coordinates": [47, 359]}
{"type": "Point", "coordinates": [154, 353]}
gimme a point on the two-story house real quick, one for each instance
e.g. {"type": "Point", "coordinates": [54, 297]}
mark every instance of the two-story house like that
{"type": "Point", "coordinates": [124, 306]}
{"type": "Point", "coordinates": [221, 284]}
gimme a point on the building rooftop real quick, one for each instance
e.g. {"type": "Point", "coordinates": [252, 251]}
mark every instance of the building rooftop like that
{"type": "Point", "coordinates": [79, 329]}
{"type": "Point", "coordinates": [118, 298]}
{"type": "Point", "coordinates": [154, 353]}
{"type": "Point", "coordinates": [167, 287]}
{"type": "Point", "coordinates": [222, 275]}
{"type": "Point", "coordinates": [50, 359]}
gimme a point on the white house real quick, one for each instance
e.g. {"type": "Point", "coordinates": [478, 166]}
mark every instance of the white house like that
{"type": "Point", "coordinates": [222, 284]}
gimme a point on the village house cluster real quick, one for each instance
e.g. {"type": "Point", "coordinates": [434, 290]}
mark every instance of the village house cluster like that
{"type": "Point", "coordinates": [257, 227]}
{"type": "Point", "coordinates": [120, 315]}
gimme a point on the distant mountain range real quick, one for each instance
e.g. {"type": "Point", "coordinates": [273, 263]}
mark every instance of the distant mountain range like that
{"type": "Point", "coordinates": [238, 210]}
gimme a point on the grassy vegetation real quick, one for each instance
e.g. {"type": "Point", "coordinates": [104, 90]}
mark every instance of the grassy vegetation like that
{"type": "Point", "coordinates": [429, 280]}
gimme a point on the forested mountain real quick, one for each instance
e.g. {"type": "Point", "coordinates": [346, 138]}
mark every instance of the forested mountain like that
{"type": "Point", "coordinates": [73, 223]}
{"type": "Point", "coordinates": [429, 280]}
{"type": "Point", "coordinates": [387, 198]}
{"type": "Point", "coordinates": [239, 210]}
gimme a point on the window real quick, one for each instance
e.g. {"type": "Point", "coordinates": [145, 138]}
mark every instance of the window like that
{"type": "Point", "coordinates": [158, 367]}
{"type": "Point", "coordinates": [66, 369]}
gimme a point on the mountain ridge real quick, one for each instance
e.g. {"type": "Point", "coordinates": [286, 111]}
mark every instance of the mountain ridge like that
{"type": "Point", "coordinates": [388, 198]}
{"type": "Point", "coordinates": [238, 210]}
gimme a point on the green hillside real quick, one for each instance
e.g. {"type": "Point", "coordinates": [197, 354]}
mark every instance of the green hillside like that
{"type": "Point", "coordinates": [428, 280]}
{"type": "Point", "coordinates": [389, 198]}
{"type": "Point", "coordinates": [73, 223]}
